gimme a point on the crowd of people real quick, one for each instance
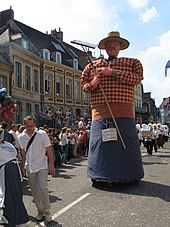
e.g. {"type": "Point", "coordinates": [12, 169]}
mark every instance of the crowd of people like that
{"type": "Point", "coordinates": [66, 144]}
{"type": "Point", "coordinates": [153, 136]}
{"type": "Point", "coordinates": [58, 120]}
{"type": "Point", "coordinates": [69, 143]}
{"type": "Point", "coordinates": [38, 151]}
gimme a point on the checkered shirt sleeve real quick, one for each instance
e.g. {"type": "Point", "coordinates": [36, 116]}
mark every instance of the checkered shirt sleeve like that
{"type": "Point", "coordinates": [119, 89]}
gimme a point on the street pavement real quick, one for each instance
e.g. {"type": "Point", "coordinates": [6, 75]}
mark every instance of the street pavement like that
{"type": "Point", "coordinates": [77, 203]}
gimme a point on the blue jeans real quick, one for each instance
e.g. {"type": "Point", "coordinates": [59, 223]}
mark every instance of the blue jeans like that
{"type": "Point", "coordinates": [58, 158]}
{"type": "Point", "coordinates": [65, 153]}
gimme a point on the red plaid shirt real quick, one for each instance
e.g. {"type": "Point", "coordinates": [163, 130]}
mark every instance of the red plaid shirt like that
{"type": "Point", "coordinates": [119, 89]}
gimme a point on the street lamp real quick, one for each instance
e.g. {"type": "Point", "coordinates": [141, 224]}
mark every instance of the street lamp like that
{"type": "Point", "coordinates": [167, 67]}
{"type": "Point", "coordinates": [84, 44]}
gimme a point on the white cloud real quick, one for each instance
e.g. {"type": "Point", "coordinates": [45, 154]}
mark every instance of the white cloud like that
{"type": "Point", "coordinates": [137, 4]}
{"type": "Point", "coordinates": [86, 20]}
{"type": "Point", "coordinates": [149, 14]}
{"type": "Point", "coordinates": [154, 60]}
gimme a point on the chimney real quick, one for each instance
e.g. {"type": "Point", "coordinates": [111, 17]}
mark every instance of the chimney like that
{"type": "Point", "coordinates": [57, 35]}
{"type": "Point", "coordinates": [5, 16]}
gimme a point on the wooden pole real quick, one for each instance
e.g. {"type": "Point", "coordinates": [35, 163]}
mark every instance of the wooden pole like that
{"type": "Point", "coordinates": [117, 128]}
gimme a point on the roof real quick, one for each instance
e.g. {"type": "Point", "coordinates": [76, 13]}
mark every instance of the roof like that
{"type": "Point", "coordinates": [165, 102]}
{"type": "Point", "coordinates": [37, 41]}
{"type": "Point", "coordinates": [42, 41]}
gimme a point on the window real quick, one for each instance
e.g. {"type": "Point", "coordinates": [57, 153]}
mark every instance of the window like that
{"type": "Point", "coordinates": [18, 74]}
{"type": "Point", "coordinates": [27, 78]}
{"type": "Point", "coordinates": [19, 113]}
{"type": "Point", "coordinates": [68, 88]}
{"type": "Point", "coordinates": [145, 107]}
{"type": "Point", "coordinates": [25, 44]}
{"type": "Point", "coordinates": [75, 64]}
{"type": "Point", "coordinates": [36, 110]}
{"type": "Point", "coordinates": [58, 86]}
{"type": "Point", "coordinates": [3, 81]}
{"type": "Point", "coordinates": [135, 90]}
{"type": "Point", "coordinates": [28, 109]}
{"type": "Point", "coordinates": [85, 96]}
{"type": "Point", "coordinates": [137, 105]}
{"type": "Point", "coordinates": [77, 90]}
{"type": "Point", "coordinates": [58, 46]}
{"type": "Point", "coordinates": [139, 89]}
{"type": "Point", "coordinates": [56, 57]}
{"type": "Point", "coordinates": [36, 83]}
{"type": "Point", "coordinates": [48, 84]}
{"type": "Point", "coordinates": [46, 54]}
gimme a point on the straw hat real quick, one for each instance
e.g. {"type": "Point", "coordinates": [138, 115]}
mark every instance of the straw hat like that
{"type": "Point", "coordinates": [114, 36]}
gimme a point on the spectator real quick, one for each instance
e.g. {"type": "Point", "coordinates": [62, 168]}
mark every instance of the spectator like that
{"type": "Point", "coordinates": [14, 129]}
{"type": "Point", "coordinates": [8, 136]}
{"type": "Point", "coordinates": [71, 141]}
{"type": "Point", "coordinates": [57, 152]}
{"type": "Point", "coordinates": [76, 142]}
{"type": "Point", "coordinates": [11, 198]}
{"type": "Point", "coordinates": [81, 124]}
{"type": "Point", "coordinates": [64, 144]}
{"type": "Point", "coordinates": [81, 143]}
{"type": "Point", "coordinates": [36, 155]}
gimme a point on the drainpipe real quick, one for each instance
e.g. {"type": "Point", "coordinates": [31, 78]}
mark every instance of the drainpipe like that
{"type": "Point", "coordinates": [41, 86]}
{"type": "Point", "coordinates": [10, 80]}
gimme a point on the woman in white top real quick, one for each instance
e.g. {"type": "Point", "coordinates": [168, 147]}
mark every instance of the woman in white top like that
{"type": "Point", "coordinates": [11, 198]}
{"type": "Point", "coordinates": [76, 142]}
{"type": "Point", "coordinates": [64, 145]}
{"type": "Point", "coordinates": [71, 141]}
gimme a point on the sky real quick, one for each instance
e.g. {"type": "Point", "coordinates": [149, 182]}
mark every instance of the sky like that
{"type": "Point", "coordinates": [144, 23]}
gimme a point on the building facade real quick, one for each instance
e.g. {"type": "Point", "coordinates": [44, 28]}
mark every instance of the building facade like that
{"type": "Point", "coordinates": [165, 111]}
{"type": "Point", "coordinates": [149, 108]}
{"type": "Point", "coordinates": [6, 71]}
{"type": "Point", "coordinates": [46, 76]}
{"type": "Point", "coordinates": [46, 71]}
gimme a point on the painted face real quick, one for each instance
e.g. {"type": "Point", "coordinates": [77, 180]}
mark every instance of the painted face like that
{"type": "Point", "coordinates": [113, 47]}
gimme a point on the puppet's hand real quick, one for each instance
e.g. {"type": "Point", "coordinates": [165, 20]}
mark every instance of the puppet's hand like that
{"type": "Point", "coordinates": [96, 81]}
{"type": "Point", "coordinates": [104, 71]}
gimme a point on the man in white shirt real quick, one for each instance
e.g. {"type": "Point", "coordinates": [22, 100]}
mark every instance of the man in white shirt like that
{"type": "Point", "coordinates": [81, 123]}
{"type": "Point", "coordinates": [12, 131]}
{"type": "Point", "coordinates": [36, 159]}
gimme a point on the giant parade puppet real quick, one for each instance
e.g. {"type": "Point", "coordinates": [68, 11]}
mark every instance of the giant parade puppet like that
{"type": "Point", "coordinates": [114, 149]}
{"type": "Point", "coordinates": [8, 107]}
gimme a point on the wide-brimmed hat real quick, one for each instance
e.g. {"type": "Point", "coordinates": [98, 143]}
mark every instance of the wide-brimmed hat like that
{"type": "Point", "coordinates": [114, 36]}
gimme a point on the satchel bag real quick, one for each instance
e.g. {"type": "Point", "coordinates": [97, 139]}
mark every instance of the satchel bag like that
{"type": "Point", "coordinates": [30, 141]}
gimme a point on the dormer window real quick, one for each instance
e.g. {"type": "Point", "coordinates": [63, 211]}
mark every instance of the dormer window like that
{"type": "Point", "coordinates": [25, 44]}
{"type": "Point", "coordinates": [56, 57]}
{"type": "Point", "coordinates": [75, 64]}
{"type": "Point", "coordinates": [46, 54]}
